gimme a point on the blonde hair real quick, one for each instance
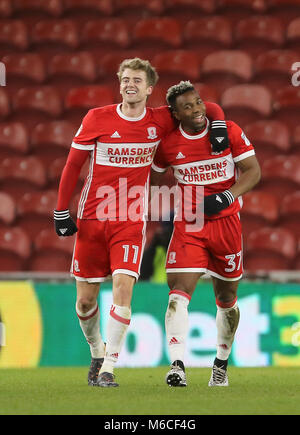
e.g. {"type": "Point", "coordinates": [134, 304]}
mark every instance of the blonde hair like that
{"type": "Point", "coordinates": [139, 64]}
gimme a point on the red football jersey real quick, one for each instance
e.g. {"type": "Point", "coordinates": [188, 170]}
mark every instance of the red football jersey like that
{"type": "Point", "coordinates": [121, 154]}
{"type": "Point", "coordinates": [195, 164]}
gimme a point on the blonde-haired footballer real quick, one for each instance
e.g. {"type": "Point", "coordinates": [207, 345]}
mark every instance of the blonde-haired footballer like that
{"type": "Point", "coordinates": [120, 141]}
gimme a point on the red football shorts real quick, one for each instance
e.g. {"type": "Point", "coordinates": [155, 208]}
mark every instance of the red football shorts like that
{"type": "Point", "coordinates": [215, 250]}
{"type": "Point", "coordinates": [104, 248]}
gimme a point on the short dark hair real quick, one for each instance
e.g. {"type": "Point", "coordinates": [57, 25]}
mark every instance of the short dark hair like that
{"type": "Point", "coordinates": [177, 90]}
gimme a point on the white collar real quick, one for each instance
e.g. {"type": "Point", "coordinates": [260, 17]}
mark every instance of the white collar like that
{"type": "Point", "coordinates": [127, 118]}
{"type": "Point", "coordinates": [195, 136]}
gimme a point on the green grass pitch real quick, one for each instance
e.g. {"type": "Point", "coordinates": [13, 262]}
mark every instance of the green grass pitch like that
{"type": "Point", "coordinates": [142, 391]}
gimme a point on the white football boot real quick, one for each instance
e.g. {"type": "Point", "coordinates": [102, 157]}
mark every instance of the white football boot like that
{"type": "Point", "coordinates": [176, 375]}
{"type": "Point", "coordinates": [218, 377]}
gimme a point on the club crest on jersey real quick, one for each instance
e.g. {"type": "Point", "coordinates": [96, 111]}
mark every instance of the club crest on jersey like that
{"type": "Point", "coordinates": [152, 134]}
{"type": "Point", "coordinates": [172, 257]}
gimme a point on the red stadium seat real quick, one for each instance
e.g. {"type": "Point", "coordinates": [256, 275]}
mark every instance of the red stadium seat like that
{"type": "Point", "coordinates": [43, 99]}
{"type": "Point", "coordinates": [51, 140]}
{"type": "Point", "coordinates": [88, 7]}
{"type": "Point", "coordinates": [269, 138]}
{"type": "Point", "coordinates": [21, 174]}
{"type": "Point", "coordinates": [273, 69]}
{"type": "Point", "coordinates": [8, 209]}
{"type": "Point", "coordinates": [176, 65]}
{"type": "Point", "coordinates": [290, 212]}
{"type": "Point", "coordinates": [189, 8]}
{"type": "Point", "coordinates": [55, 170]}
{"type": "Point", "coordinates": [234, 66]}
{"type": "Point", "coordinates": [52, 8]}
{"type": "Point", "coordinates": [286, 10]}
{"type": "Point", "coordinates": [296, 140]}
{"type": "Point", "coordinates": [149, 32]}
{"type": "Point", "coordinates": [23, 69]}
{"type": "Point", "coordinates": [37, 104]}
{"type": "Point", "coordinates": [142, 8]}
{"type": "Point", "coordinates": [55, 35]}
{"type": "Point", "coordinates": [235, 10]}
{"type": "Point", "coordinates": [286, 107]}
{"type": "Point", "coordinates": [246, 103]}
{"type": "Point", "coordinates": [46, 240]}
{"type": "Point", "coordinates": [51, 253]}
{"type": "Point", "coordinates": [6, 8]}
{"type": "Point", "coordinates": [15, 249]}
{"type": "Point", "coordinates": [50, 262]}
{"type": "Point", "coordinates": [270, 249]}
{"type": "Point", "coordinates": [249, 6]}
{"type": "Point", "coordinates": [13, 36]}
{"type": "Point", "coordinates": [53, 134]}
{"type": "Point", "coordinates": [5, 108]}
{"type": "Point", "coordinates": [293, 34]}
{"type": "Point", "coordinates": [72, 68]}
{"type": "Point", "coordinates": [158, 96]}
{"type": "Point", "coordinates": [257, 34]}
{"type": "Point", "coordinates": [105, 34]}
{"type": "Point", "coordinates": [35, 210]}
{"type": "Point", "coordinates": [259, 209]}
{"type": "Point", "coordinates": [80, 99]}
{"type": "Point", "coordinates": [207, 92]}
{"type": "Point", "coordinates": [108, 65]}
{"type": "Point", "coordinates": [281, 175]}
{"type": "Point", "coordinates": [211, 33]}
{"type": "Point", "coordinates": [14, 139]}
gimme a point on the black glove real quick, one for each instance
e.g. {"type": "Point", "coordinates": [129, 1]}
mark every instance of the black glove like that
{"type": "Point", "coordinates": [64, 224]}
{"type": "Point", "coordinates": [219, 136]}
{"type": "Point", "coordinates": [217, 202]}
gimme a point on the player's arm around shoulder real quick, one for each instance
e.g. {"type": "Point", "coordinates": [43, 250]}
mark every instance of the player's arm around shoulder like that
{"type": "Point", "coordinates": [244, 159]}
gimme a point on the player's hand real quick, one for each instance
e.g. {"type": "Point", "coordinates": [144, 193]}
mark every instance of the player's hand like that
{"type": "Point", "coordinates": [64, 224]}
{"type": "Point", "coordinates": [217, 202]}
{"type": "Point", "coordinates": [219, 136]}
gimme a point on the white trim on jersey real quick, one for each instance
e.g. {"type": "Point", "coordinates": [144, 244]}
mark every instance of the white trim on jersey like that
{"type": "Point", "coordinates": [126, 272]}
{"type": "Point", "coordinates": [158, 169]}
{"type": "Point", "coordinates": [244, 156]}
{"type": "Point", "coordinates": [78, 146]}
{"type": "Point", "coordinates": [91, 280]}
{"type": "Point", "coordinates": [85, 191]}
{"type": "Point", "coordinates": [195, 136]}
{"type": "Point", "coordinates": [202, 270]}
{"type": "Point", "coordinates": [127, 118]}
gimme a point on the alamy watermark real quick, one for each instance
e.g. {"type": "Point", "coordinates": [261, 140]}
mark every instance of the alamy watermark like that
{"type": "Point", "coordinates": [129, 204]}
{"type": "Point", "coordinates": [296, 76]}
{"type": "Point", "coordinates": [2, 74]}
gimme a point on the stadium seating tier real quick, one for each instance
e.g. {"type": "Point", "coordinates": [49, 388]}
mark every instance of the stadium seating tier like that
{"type": "Point", "coordinates": [61, 59]}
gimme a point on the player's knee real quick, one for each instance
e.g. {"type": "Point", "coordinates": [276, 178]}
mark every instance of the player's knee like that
{"type": "Point", "coordinates": [85, 303]}
{"type": "Point", "coordinates": [227, 296]}
{"type": "Point", "coordinates": [225, 291]}
{"type": "Point", "coordinates": [122, 292]}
